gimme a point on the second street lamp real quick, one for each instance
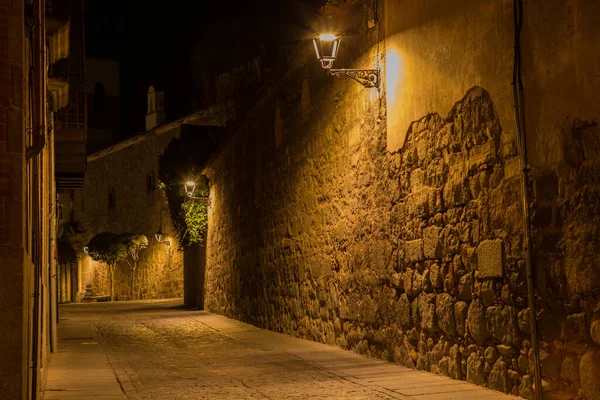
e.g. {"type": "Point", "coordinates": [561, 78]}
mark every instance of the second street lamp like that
{"type": "Point", "coordinates": [190, 188]}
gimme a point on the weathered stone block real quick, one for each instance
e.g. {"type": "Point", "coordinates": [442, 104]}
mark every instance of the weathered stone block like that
{"type": "Point", "coordinates": [427, 312]}
{"type": "Point", "coordinates": [575, 329]}
{"type": "Point", "coordinates": [435, 276]}
{"type": "Point", "coordinates": [450, 240]}
{"type": "Point", "coordinates": [432, 248]}
{"type": "Point", "coordinates": [523, 364]}
{"type": "Point", "coordinates": [414, 250]}
{"type": "Point", "coordinates": [490, 259]}
{"type": "Point", "coordinates": [402, 356]}
{"type": "Point", "coordinates": [550, 363]}
{"type": "Point", "coordinates": [460, 317]}
{"type": "Point", "coordinates": [507, 352]}
{"type": "Point", "coordinates": [569, 370]}
{"type": "Point", "coordinates": [491, 355]}
{"type": "Point", "coordinates": [403, 315]}
{"type": "Point", "coordinates": [506, 295]}
{"type": "Point", "coordinates": [469, 257]}
{"type": "Point", "coordinates": [465, 287]}
{"type": "Point", "coordinates": [487, 293]}
{"type": "Point", "coordinates": [475, 370]}
{"type": "Point", "coordinates": [417, 180]}
{"type": "Point", "coordinates": [418, 283]}
{"type": "Point", "coordinates": [526, 387]}
{"type": "Point", "coordinates": [418, 204]}
{"type": "Point", "coordinates": [498, 378]}
{"type": "Point", "coordinates": [408, 282]}
{"type": "Point", "coordinates": [415, 312]}
{"type": "Point", "coordinates": [476, 322]}
{"type": "Point", "coordinates": [502, 323]}
{"type": "Point", "coordinates": [444, 309]}
{"type": "Point", "coordinates": [590, 371]}
{"type": "Point", "coordinates": [435, 356]}
{"type": "Point", "coordinates": [455, 363]}
{"type": "Point", "coordinates": [595, 331]}
{"type": "Point", "coordinates": [455, 191]}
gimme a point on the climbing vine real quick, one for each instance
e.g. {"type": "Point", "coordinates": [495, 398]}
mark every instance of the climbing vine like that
{"type": "Point", "coordinates": [182, 161]}
{"type": "Point", "coordinates": [195, 213]}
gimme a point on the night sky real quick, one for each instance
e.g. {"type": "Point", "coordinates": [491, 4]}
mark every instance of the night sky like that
{"type": "Point", "coordinates": [153, 42]}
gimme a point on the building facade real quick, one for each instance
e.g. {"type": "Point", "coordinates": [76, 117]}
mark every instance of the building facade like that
{"type": "Point", "coordinates": [42, 151]}
{"type": "Point", "coordinates": [407, 222]}
{"type": "Point", "coordinates": [122, 194]}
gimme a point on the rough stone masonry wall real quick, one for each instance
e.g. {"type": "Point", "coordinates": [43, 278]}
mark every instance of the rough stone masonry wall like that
{"type": "Point", "coordinates": [566, 221]}
{"type": "Point", "coordinates": [413, 256]}
{"type": "Point", "coordinates": [416, 256]}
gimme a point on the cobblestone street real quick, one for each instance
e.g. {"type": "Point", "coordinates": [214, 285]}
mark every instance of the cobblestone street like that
{"type": "Point", "coordinates": [159, 350]}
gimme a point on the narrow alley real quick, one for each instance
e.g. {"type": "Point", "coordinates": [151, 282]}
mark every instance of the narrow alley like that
{"type": "Point", "coordinates": [299, 199]}
{"type": "Point", "coordinates": [160, 350]}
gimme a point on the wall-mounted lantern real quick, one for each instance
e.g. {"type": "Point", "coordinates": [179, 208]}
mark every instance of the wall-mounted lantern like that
{"type": "Point", "coordinates": [190, 188]}
{"type": "Point", "coordinates": [158, 236]}
{"type": "Point", "coordinates": [327, 47]}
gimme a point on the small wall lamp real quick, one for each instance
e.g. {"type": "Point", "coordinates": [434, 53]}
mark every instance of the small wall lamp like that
{"type": "Point", "coordinates": [158, 236]}
{"type": "Point", "coordinates": [327, 46]}
{"type": "Point", "coordinates": [190, 188]}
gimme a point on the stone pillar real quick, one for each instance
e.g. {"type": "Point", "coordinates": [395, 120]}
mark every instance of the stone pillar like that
{"type": "Point", "coordinates": [201, 270]}
{"type": "Point", "coordinates": [194, 269]}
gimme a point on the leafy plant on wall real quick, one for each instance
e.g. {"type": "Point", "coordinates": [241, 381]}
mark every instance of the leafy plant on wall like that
{"type": "Point", "coordinates": [183, 161]}
{"type": "Point", "coordinates": [195, 213]}
{"type": "Point", "coordinates": [108, 248]}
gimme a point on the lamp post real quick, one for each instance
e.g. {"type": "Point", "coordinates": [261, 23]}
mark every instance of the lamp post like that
{"type": "Point", "coordinates": [190, 188]}
{"type": "Point", "coordinates": [327, 46]}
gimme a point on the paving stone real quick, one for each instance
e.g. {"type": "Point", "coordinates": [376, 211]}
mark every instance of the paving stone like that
{"type": "Point", "coordinates": [160, 351]}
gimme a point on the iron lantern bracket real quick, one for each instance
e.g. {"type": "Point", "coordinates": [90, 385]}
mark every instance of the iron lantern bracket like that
{"type": "Point", "coordinates": [202, 199]}
{"type": "Point", "coordinates": [369, 78]}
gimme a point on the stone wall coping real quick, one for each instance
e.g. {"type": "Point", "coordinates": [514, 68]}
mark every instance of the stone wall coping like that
{"type": "Point", "coordinates": [205, 116]}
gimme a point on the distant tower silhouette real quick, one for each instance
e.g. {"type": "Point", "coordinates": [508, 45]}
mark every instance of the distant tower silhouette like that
{"type": "Point", "coordinates": [156, 109]}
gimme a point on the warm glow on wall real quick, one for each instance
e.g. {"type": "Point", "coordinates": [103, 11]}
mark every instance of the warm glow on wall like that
{"type": "Point", "coordinates": [393, 73]}
{"type": "Point", "coordinates": [396, 97]}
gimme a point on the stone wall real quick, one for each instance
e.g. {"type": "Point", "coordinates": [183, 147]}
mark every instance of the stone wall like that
{"type": "Point", "coordinates": [416, 255]}
{"type": "Point", "coordinates": [130, 169]}
{"type": "Point", "coordinates": [566, 217]}
{"type": "Point", "coordinates": [15, 261]}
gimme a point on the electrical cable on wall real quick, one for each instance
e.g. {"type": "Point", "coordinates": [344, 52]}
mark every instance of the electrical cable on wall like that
{"type": "Point", "coordinates": [375, 7]}
{"type": "Point", "coordinates": [517, 85]}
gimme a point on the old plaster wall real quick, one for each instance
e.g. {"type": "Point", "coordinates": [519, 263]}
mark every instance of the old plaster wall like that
{"type": "Point", "coordinates": [415, 255]}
